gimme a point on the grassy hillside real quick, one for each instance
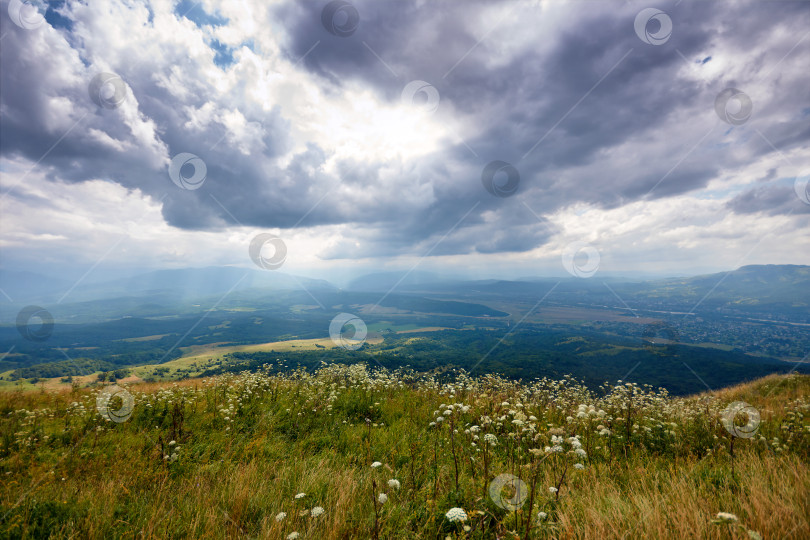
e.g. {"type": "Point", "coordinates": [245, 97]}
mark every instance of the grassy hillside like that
{"type": "Point", "coordinates": [350, 453]}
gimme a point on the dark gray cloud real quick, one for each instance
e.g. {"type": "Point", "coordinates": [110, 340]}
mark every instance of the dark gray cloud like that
{"type": "Point", "coordinates": [519, 101]}
{"type": "Point", "coordinates": [586, 112]}
{"type": "Point", "coordinates": [770, 199]}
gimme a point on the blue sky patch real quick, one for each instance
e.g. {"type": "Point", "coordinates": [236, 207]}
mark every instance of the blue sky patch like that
{"type": "Point", "coordinates": [193, 11]}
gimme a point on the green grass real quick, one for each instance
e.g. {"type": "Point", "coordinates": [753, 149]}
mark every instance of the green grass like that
{"type": "Point", "coordinates": [396, 327]}
{"type": "Point", "coordinates": [246, 444]}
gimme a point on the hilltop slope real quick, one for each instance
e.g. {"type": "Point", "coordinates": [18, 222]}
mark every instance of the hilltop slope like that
{"type": "Point", "coordinates": [347, 453]}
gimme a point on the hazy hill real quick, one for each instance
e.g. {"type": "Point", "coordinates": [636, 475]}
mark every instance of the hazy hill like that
{"type": "Point", "coordinates": [199, 282]}
{"type": "Point", "coordinates": [21, 286]}
{"type": "Point", "coordinates": [183, 284]}
{"type": "Point", "coordinates": [748, 287]}
{"type": "Point", "coordinates": [754, 284]}
{"type": "Point", "coordinates": [783, 290]}
{"type": "Point", "coordinates": [402, 281]}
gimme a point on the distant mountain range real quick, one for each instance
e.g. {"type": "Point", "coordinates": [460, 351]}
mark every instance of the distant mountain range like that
{"type": "Point", "coordinates": [384, 281]}
{"type": "Point", "coordinates": [180, 284]}
{"type": "Point", "coordinates": [782, 289]}
{"type": "Point", "coordinates": [768, 283]}
{"type": "Point", "coordinates": [770, 279]}
{"type": "Point", "coordinates": [779, 288]}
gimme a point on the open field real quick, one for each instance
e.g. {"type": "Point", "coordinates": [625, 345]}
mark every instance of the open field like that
{"type": "Point", "coordinates": [144, 338]}
{"type": "Point", "coordinates": [196, 357]}
{"type": "Point", "coordinates": [203, 355]}
{"type": "Point", "coordinates": [424, 329]}
{"type": "Point", "coordinates": [575, 314]}
{"type": "Point", "coordinates": [260, 456]}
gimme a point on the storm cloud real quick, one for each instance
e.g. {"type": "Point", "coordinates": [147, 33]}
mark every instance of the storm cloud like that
{"type": "Point", "coordinates": [302, 124]}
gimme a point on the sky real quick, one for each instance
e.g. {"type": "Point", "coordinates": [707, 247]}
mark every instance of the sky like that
{"type": "Point", "coordinates": [478, 139]}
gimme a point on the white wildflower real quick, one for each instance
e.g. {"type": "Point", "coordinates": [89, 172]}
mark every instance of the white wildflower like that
{"type": "Point", "coordinates": [456, 514]}
{"type": "Point", "coordinates": [727, 517]}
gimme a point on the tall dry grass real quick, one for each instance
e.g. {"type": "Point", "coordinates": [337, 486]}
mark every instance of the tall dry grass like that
{"type": "Point", "coordinates": [69, 474]}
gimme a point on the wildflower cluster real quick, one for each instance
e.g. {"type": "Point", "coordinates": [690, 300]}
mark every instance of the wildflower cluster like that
{"type": "Point", "coordinates": [403, 440]}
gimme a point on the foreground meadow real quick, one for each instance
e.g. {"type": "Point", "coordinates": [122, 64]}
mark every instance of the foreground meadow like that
{"type": "Point", "coordinates": [348, 452]}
